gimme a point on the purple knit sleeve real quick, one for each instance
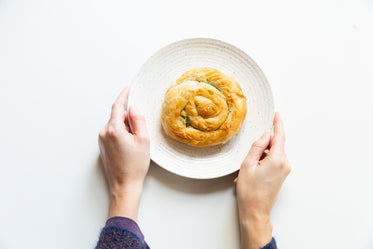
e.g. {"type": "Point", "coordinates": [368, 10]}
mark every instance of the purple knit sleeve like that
{"type": "Point", "coordinates": [121, 232]}
{"type": "Point", "coordinates": [126, 223]}
{"type": "Point", "coordinates": [270, 245]}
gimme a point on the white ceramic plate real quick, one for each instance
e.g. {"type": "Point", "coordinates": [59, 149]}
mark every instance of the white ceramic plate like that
{"type": "Point", "coordinates": [169, 63]}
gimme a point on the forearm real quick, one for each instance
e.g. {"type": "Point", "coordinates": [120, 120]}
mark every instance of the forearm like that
{"type": "Point", "coordinates": [256, 231]}
{"type": "Point", "coordinates": [125, 202]}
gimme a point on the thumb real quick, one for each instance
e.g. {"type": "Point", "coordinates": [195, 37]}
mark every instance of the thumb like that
{"type": "Point", "coordinates": [137, 122]}
{"type": "Point", "coordinates": [258, 148]}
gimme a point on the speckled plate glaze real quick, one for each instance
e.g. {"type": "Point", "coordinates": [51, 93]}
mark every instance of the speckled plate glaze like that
{"type": "Point", "coordinates": [169, 63]}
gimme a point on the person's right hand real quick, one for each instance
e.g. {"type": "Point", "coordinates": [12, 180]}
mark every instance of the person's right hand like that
{"type": "Point", "coordinates": [258, 183]}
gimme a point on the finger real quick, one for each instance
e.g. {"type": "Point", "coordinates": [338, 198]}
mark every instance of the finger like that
{"type": "Point", "coordinates": [258, 148]}
{"type": "Point", "coordinates": [117, 111]}
{"type": "Point", "coordinates": [137, 123]}
{"type": "Point", "coordinates": [102, 133]}
{"type": "Point", "coordinates": [235, 179]}
{"type": "Point", "coordinates": [278, 140]}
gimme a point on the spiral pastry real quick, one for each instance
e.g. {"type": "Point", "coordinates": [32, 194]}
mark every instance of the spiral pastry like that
{"type": "Point", "coordinates": [203, 108]}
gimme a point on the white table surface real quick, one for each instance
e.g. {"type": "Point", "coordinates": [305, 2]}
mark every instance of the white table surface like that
{"type": "Point", "coordinates": [62, 63]}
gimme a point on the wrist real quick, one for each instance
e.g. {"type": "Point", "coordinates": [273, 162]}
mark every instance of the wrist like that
{"type": "Point", "coordinates": [121, 190]}
{"type": "Point", "coordinates": [256, 230]}
{"type": "Point", "coordinates": [124, 202]}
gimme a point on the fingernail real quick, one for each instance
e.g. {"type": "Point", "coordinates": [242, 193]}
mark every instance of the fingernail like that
{"type": "Point", "coordinates": [278, 117]}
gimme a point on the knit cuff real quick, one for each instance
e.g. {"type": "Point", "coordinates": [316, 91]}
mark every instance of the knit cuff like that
{"type": "Point", "coordinates": [270, 245]}
{"type": "Point", "coordinates": [126, 223]}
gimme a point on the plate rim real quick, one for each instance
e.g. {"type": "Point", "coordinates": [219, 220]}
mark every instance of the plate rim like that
{"type": "Point", "coordinates": [200, 40]}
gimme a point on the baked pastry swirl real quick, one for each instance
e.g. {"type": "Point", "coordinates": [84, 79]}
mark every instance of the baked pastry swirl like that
{"type": "Point", "coordinates": [203, 108]}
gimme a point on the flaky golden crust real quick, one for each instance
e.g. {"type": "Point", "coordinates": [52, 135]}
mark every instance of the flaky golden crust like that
{"type": "Point", "coordinates": [203, 108]}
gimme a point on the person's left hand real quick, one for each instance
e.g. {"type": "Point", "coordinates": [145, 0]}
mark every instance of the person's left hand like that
{"type": "Point", "coordinates": [125, 151]}
{"type": "Point", "coordinates": [258, 184]}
